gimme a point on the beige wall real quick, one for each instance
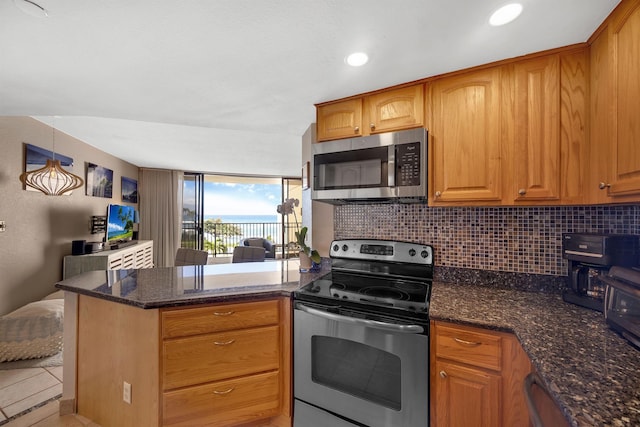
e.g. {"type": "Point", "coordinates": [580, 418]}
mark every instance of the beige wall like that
{"type": "Point", "coordinates": [40, 228]}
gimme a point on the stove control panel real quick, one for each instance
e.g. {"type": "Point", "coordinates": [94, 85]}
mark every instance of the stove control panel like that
{"type": "Point", "coordinates": [382, 250]}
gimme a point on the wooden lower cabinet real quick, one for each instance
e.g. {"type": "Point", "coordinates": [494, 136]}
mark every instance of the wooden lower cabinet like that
{"type": "Point", "coordinates": [467, 396]}
{"type": "Point", "coordinates": [204, 365]}
{"type": "Point", "coordinates": [477, 377]}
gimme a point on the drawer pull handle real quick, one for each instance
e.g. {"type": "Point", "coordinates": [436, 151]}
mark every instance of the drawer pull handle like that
{"type": "Point", "coordinates": [224, 342]}
{"type": "Point", "coordinates": [443, 374]}
{"type": "Point", "coordinates": [223, 392]}
{"type": "Point", "coordinates": [469, 343]}
{"type": "Point", "coordinates": [226, 313]}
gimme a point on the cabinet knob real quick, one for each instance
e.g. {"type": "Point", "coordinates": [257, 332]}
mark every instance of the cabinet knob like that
{"type": "Point", "coordinates": [372, 126]}
{"type": "Point", "coordinates": [438, 194]}
{"type": "Point", "coordinates": [603, 185]}
{"type": "Point", "coordinates": [443, 374]}
{"type": "Point", "coordinates": [356, 129]}
{"type": "Point", "coordinates": [522, 191]}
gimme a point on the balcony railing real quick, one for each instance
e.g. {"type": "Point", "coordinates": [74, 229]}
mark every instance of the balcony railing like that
{"type": "Point", "coordinates": [221, 237]}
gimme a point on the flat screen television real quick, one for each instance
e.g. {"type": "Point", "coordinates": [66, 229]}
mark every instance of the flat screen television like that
{"type": "Point", "coordinates": [120, 219]}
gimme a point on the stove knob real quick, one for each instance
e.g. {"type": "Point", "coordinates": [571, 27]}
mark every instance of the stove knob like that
{"type": "Point", "coordinates": [412, 252]}
{"type": "Point", "coordinates": [424, 254]}
{"type": "Point", "coordinates": [336, 248]}
{"type": "Point", "coordinates": [345, 248]}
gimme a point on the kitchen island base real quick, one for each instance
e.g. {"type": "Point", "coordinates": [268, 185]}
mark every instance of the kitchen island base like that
{"type": "Point", "coordinates": [119, 343]}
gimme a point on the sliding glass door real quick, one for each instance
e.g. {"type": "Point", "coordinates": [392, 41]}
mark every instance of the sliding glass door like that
{"type": "Point", "coordinates": [193, 211]}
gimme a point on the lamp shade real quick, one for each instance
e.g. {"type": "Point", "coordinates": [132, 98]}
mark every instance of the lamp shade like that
{"type": "Point", "coordinates": [52, 179]}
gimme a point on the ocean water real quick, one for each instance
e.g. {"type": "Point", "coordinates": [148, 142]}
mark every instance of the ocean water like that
{"type": "Point", "coordinates": [267, 226]}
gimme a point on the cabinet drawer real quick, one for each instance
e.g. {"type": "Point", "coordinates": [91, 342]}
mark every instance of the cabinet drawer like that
{"type": "Point", "coordinates": [204, 320]}
{"type": "Point", "coordinates": [223, 403]}
{"type": "Point", "coordinates": [213, 357]}
{"type": "Point", "coordinates": [469, 346]}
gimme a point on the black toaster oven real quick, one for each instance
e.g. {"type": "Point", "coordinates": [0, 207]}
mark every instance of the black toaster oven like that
{"type": "Point", "coordinates": [622, 302]}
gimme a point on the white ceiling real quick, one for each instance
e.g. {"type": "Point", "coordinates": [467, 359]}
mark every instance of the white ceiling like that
{"type": "Point", "coordinates": [229, 86]}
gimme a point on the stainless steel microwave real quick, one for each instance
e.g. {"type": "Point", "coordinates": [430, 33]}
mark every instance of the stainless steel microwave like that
{"type": "Point", "coordinates": [387, 167]}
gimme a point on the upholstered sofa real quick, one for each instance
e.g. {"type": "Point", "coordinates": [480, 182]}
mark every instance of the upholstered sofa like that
{"type": "Point", "coordinates": [269, 248]}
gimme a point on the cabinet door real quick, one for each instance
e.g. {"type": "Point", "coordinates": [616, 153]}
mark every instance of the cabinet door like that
{"type": "Point", "coordinates": [625, 162]}
{"type": "Point", "coordinates": [396, 109]}
{"type": "Point", "coordinates": [466, 396]}
{"type": "Point", "coordinates": [466, 140]}
{"type": "Point", "coordinates": [537, 130]}
{"type": "Point", "coordinates": [339, 120]}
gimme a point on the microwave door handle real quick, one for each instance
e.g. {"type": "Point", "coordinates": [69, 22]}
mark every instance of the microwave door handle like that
{"type": "Point", "coordinates": [391, 166]}
{"type": "Point", "coordinates": [408, 329]}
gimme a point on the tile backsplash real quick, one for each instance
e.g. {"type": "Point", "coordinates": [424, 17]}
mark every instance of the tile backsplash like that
{"type": "Point", "coordinates": [511, 239]}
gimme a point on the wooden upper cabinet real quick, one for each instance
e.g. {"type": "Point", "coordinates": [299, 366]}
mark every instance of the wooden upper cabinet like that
{"type": "Point", "coordinates": [549, 129]}
{"type": "Point", "coordinates": [396, 109]}
{"type": "Point", "coordinates": [382, 112]}
{"type": "Point", "coordinates": [625, 162]}
{"type": "Point", "coordinates": [615, 107]}
{"type": "Point", "coordinates": [537, 130]}
{"type": "Point", "coordinates": [465, 134]}
{"type": "Point", "coordinates": [339, 120]}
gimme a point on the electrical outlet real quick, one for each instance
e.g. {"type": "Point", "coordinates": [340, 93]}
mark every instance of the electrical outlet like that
{"type": "Point", "coordinates": [126, 392]}
{"type": "Point", "coordinates": [3, 226]}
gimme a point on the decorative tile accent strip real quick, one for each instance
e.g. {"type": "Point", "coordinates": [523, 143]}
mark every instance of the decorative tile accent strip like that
{"type": "Point", "coordinates": [511, 239]}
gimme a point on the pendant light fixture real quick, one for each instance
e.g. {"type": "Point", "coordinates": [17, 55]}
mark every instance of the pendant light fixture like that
{"type": "Point", "coordinates": [52, 179]}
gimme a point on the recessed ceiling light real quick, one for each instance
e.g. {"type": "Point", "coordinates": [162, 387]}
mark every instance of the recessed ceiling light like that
{"type": "Point", "coordinates": [357, 59]}
{"type": "Point", "coordinates": [505, 14]}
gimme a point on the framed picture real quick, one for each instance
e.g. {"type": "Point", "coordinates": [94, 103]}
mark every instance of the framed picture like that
{"type": "Point", "coordinates": [305, 175]}
{"type": "Point", "coordinates": [36, 158]}
{"type": "Point", "coordinates": [129, 190]}
{"type": "Point", "coordinates": [99, 181]}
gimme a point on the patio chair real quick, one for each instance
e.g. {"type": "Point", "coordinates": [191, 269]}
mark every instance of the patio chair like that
{"type": "Point", "coordinates": [248, 254]}
{"type": "Point", "coordinates": [185, 256]}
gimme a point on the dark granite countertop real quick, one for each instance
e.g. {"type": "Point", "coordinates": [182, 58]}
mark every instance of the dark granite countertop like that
{"type": "Point", "coordinates": [593, 373]}
{"type": "Point", "coordinates": [189, 285]}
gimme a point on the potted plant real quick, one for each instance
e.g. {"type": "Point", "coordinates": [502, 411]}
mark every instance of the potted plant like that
{"type": "Point", "coordinates": [309, 258]}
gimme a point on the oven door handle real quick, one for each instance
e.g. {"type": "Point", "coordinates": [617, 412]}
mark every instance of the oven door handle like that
{"type": "Point", "coordinates": [407, 329]}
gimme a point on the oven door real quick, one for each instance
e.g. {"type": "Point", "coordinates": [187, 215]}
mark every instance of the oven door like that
{"type": "Point", "coordinates": [371, 372]}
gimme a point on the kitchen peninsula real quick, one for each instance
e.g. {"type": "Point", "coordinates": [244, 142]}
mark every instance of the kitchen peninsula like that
{"type": "Point", "coordinates": [178, 346]}
{"type": "Point", "coordinates": [136, 326]}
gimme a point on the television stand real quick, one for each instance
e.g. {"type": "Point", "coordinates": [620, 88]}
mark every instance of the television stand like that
{"type": "Point", "coordinates": [139, 254]}
{"type": "Point", "coordinates": [120, 245]}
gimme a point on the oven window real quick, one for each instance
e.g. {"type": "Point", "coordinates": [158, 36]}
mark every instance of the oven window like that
{"type": "Point", "coordinates": [357, 369]}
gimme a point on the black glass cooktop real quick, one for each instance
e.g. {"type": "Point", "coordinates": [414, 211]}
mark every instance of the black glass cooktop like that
{"type": "Point", "coordinates": [381, 291]}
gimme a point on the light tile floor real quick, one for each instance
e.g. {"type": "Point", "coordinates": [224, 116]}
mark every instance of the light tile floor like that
{"type": "Point", "coordinates": [22, 389]}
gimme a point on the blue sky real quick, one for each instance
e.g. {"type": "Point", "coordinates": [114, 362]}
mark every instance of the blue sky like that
{"type": "Point", "coordinates": [241, 199]}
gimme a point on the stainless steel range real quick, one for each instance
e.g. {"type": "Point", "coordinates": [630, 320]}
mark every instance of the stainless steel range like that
{"type": "Point", "coordinates": [361, 337]}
